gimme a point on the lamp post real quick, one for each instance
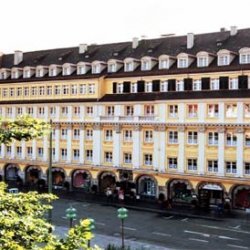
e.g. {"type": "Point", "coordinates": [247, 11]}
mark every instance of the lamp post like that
{"type": "Point", "coordinates": [91, 227]}
{"type": "Point", "coordinates": [122, 213]}
{"type": "Point", "coordinates": [50, 168]}
{"type": "Point", "coordinates": [71, 215]}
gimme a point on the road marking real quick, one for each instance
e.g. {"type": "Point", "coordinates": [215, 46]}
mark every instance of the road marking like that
{"type": "Point", "coordinates": [236, 246]}
{"type": "Point", "coordinates": [205, 241]}
{"type": "Point", "coordinates": [161, 234]}
{"type": "Point", "coordinates": [185, 220]}
{"type": "Point", "coordinates": [227, 238]}
{"type": "Point", "coordinates": [236, 227]}
{"type": "Point", "coordinates": [100, 223]}
{"type": "Point", "coordinates": [226, 229]}
{"type": "Point", "coordinates": [130, 228]}
{"type": "Point", "coordinates": [192, 232]}
{"type": "Point", "coordinates": [169, 217]}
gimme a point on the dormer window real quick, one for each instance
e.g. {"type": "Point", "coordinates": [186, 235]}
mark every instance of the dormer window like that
{"type": "Point", "coordinates": [4, 74]}
{"type": "Point", "coordinates": [68, 69]}
{"type": "Point", "coordinates": [41, 71]}
{"type": "Point", "coordinates": [28, 72]}
{"type": "Point", "coordinates": [130, 64]}
{"type": "Point", "coordinates": [147, 63]}
{"type": "Point", "coordinates": [54, 70]}
{"type": "Point", "coordinates": [244, 55]}
{"type": "Point", "coordinates": [184, 60]}
{"type": "Point", "coordinates": [225, 57]}
{"type": "Point", "coordinates": [114, 65]}
{"type": "Point", "coordinates": [165, 61]}
{"type": "Point", "coordinates": [97, 67]}
{"type": "Point", "coordinates": [83, 68]}
{"type": "Point", "coordinates": [16, 73]}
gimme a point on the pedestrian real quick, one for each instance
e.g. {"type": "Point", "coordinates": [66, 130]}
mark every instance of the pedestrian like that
{"type": "Point", "coordinates": [121, 196]}
{"type": "Point", "coordinates": [109, 194]}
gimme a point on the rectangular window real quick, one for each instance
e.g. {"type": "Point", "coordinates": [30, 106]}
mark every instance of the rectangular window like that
{"type": "Point", "coordinates": [76, 134]}
{"type": "Point", "coordinates": [192, 137]}
{"type": "Point", "coordinates": [119, 88]}
{"type": "Point", "coordinates": [40, 152]}
{"type": "Point", "coordinates": [182, 62]}
{"type": "Point", "coordinates": [26, 91]}
{"type": "Point", "coordinates": [148, 87]}
{"type": "Point", "coordinates": [164, 86]}
{"type": "Point", "coordinates": [215, 84]}
{"type": "Point", "coordinates": [64, 133]}
{"type": "Point", "coordinates": [213, 110]}
{"type": "Point", "coordinates": [164, 64]}
{"type": "Point", "coordinates": [63, 153]}
{"type": "Point", "coordinates": [11, 92]}
{"type": "Point", "coordinates": [133, 88]}
{"type": "Point", "coordinates": [19, 151]}
{"type": "Point", "coordinates": [49, 90]}
{"type": "Point", "coordinates": [127, 158]}
{"type": "Point", "coordinates": [244, 58]}
{"type": "Point", "coordinates": [19, 91]}
{"type": "Point", "coordinates": [57, 90]}
{"type": "Point", "coordinates": [91, 88]}
{"type": "Point", "coordinates": [108, 135]}
{"type": "Point", "coordinates": [129, 66]}
{"type": "Point", "coordinates": [89, 134]}
{"type": "Point", "coordinates": [112, 67]}
{"type": "Point", "coordinates": [145, 65]}
{"type": "Point", "coordinates": [41, 111]}
{"type": "Point", "coordinates": [192, 110]}
{"type": "Point", "coordinates": [110, 110]}
{"type": "Point", "coordinates": [233, 83]}
{"type": "Point", "coordinates": [148, 159]}
{"type": "Point", "coordinates": [8, 150]}
{"type": "Point", "coordinates": [231, 167]}
{"type": "Point", "coordinates": [247, 139]}
{"type": "Point", "coordinates": [212, 166]}
{"type": "Point", "coordinates": [52, 111]}
{"type": "Point", "coordinates": [172, 137]}
{"type": "Point", "coordinates": [149, 110]}
{"type": "Point", "coordinates": [247, 110]}
{"type": "Point", "coordinates": [108, 156]}
{"type": "Point", "coordinates": [192, 164]}
{"type": "Point", "coordinates": [231, 110]}
{"type": "Point", "coordinates": [65, 89]}
{"type": "Point", "coordinates": [223, 60]}
{"type": "Point", "coordinates": [76, 154]}
{"type": "Point", "coordinates": [247, 167]}
{"type": "Point", "coordinates": [213, 138]}
{"type": "Point", "coordinates": [89, 111]}
{"type": "Point", "coordinates": [202, 61]}
{"type": "Point", "coordinates": [19, 111]}
{"type": "Point", "coordinates": [74, 89]}
{"type": "Point", "coordinates": [41, 90]}
{"type": "Point", "coordinates": [148, 136]}
{"type": "Point", "coordinates": [89, 154]}
{"type": "Point", "coordinates": [197, 85]}
{"type": "Point", "coordinates": [5, 92]}
{"type": "Point", "coordinates": [64, 111]}
{"type": "Point", "coordinates": [29, 151]}
{"type": "Point", "coordinates": [173, 111]}
{"type": "Point", "coordinates": [30, 110]}
{"type": "Point", "coordinates": [180, 85]}
{"type": "Point", "coordinates": [129, 110]}
{"type": "Point", "coordinates": [231, 139]}
{"type": "Point", "coordinates": [127, 135]}
{"type": "Point", "coordinates": [83, 89]}
{"type": "Point", "coordinates": [172, 163]}
{"type": "Point", "coordinates": [76, 111]}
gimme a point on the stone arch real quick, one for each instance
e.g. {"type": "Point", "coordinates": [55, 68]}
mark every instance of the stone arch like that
{"type": "Point", "coordinates": [240, 196]}
{"type": "Point", "coordinates": [106, 179]}
{"type": "Point", "coordinates": [58, 177]}
{"type": "Point", "coordinates": [147, 186]}
{"type": "Point", "coordinates": [32, 172]}
{"type": "Point", "coordinates": [81, 178]}
{"type": "Point", "coordinates": [13, 175]}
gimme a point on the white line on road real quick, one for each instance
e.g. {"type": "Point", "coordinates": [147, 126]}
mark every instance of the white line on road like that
{"type": "Point", "coordinates": [236, 227]}
{"type": "Point", "coordinates": [130, 228]}
{"type": "Point", "coordinates": [236, 246]}
{"type": "Point", "coordinates": [169, 217]}
{"type": "Point", "coordinates": [227, 238]}
{"type": "Point", "coordinates": [185, 220]}
{"type": "Point", "coordinates": [226, 229]}
{"type": "Point", "coordinates": [205, 241]}
{"type": "Point", "coordinates": [192, 232]}
{"type": "Point", "coordinates": [161, 234]}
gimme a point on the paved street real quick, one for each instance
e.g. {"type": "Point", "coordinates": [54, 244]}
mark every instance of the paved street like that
{"type": "Point", "coordinates": [175, 232]}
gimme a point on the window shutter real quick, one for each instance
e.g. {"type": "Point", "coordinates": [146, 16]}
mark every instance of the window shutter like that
{"type": "Point", "coordinates": [126, 87]}
{"type": "Point", "coordinates": [205, 83]}
{"type": "Point", "coordinates": [114, 87]}
{"type": "Point", "coordinates": [171, 85]}
{"type": "Point", "coordinates": [156, 85]}
{"type": "Point", "coordinates": [223, 82]}
{"type": "Point", "coordinates": [243, 82]}
{"type": "Point", "coordinates": [140, 86]}
{"type": "Point", "coordinates": [188, 83]}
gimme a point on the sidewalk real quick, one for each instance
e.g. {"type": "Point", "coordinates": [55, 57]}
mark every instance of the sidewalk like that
{"type": "Point", "coordinates": [153, 206]}
{"type": "Point", "coordinates": [103, 241]}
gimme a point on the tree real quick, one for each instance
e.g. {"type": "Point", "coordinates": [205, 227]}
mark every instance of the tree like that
{"type": "Point", "coordinates": [23, 225]}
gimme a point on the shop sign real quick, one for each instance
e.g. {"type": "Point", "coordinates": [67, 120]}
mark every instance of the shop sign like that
{"type": "Point", "coordinates": [212, 187]}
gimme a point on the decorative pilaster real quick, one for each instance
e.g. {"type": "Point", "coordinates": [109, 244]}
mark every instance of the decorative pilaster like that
{"type": "Point", "coordinates": [221, 150]}
{"type": "Point", "coordinates": [240, 151]}
{"type": "Point", "coordinates": [69, 143]}
{"type": "Point", "coordinates": [97, 142]}
{"type": "Point", "coordinates": [201, 150]}
{"type": "Point", "coordinates": [136, 146]}
{"type": "Point", "coordinates": [57, 142]}
{"type": "Point", "coordinates": [117, 145]}
{"type": "Point", "coordinates": [81, 143]}
{"type": "Point", "coordinates": [159, 156]}
{"type": "Point", "coordinates": [181, 151]}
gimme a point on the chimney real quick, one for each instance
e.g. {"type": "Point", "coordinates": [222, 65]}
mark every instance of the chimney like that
{"type": "Point", "coordinates": [135, 42]}
{"type": "Point", "coordinates": [83, 48]}
{"type": "Point", "coordinates": [18, 57]}
{"type": "Point", "coordinates": [190, 40]}
{"type": "Point", "coordinates": [222, 29]}
{"type": "Point", "coordinates": [233, 31]}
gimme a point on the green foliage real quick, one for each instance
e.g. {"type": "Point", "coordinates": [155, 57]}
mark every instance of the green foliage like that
{"type": "Point", "coordinates": [23, 227]}
{"type": "Point", "coordinates": [23, 128]}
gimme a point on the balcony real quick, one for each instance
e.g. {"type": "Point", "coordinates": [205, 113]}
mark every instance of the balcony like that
{"type": "Point", "coordinates": [147, 118]}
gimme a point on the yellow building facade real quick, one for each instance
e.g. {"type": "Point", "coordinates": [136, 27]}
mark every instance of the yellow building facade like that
{"type": "Point", "coordinates": [166, 117]}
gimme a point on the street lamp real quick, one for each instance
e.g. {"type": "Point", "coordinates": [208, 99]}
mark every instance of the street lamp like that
{"type": "Point", "coordinates": [50, 168]}
{"type": "Point", "coordinates": [71, 215]}
{"type": "Point", "coordinates": [122, 213]}
{"type": "Point", "coordinates": [91, 227]}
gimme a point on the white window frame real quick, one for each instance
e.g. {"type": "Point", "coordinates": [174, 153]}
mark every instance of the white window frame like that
{"type": "Point", "coordinates": [180, 85]}
{"type": "Point", "coordinates": [231, 139]}
{"type": "Point", "coordinates": [212, 166]}
{"type": "Point", "coordinates": [148, 159]}
{"type": "Point", "coordinates": [128, 135]}
{"type": "Point", "coordinates": [172, 163]}
{"type": "Point", "coordinates": [213, 138]}
{"type": "Point", "coordinates": [231, 167]}
{"type": "Point", "coordinates": [231, 110]}
{"type": "Point", "coordinates": [148, 87]}
{"type": "Point", "coordinates": [215, 84]}
{"type": "Point", "coordinates": [173, 111]}
{"type": "Point", "coordinates": [212, 110]}
{"type": "Point", "coordinates": [196, 85]}
{"type": "Point", "coordinates": [127, 158]}
{"type": "Point", "coordinates": [89, 155]}
{"type": "Point", "coordinates": [133, 87]}
{"type": "Point", "coordinates": [233, 83]}
{"type": "Point", "coordinates": [173, 137]}
{"type": "Point", "coordinates": [192, 138]}
{"type": "Point", "coordinates": [148, 136]}
{"type": "Point", "coordinates": [192, 164]}
{"type": "Point", "coordinates": [108, 157]}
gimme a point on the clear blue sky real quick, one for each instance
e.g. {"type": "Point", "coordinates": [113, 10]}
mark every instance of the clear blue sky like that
{"type": "Point", "coordinates": [42, 24]}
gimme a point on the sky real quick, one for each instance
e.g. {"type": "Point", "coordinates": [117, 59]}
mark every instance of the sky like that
{"type": "Point", "coordinates": [29, 25]}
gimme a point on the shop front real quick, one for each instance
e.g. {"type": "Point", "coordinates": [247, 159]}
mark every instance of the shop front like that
{"type": "Point", "coordinates": [58, 178]}
{"type": "Point", "coordinates": [210, 194]}
{"type": "Point", "coordinates": [146, 187]}
{"type": "Point", "coordinates": [12, 175]}
{"type": "Point", "coordinates": [106, 180]}
{"type": "Point", "coordinates": [32, 176]}
{"type": "Point", "coordinates": [81, 179]}
{"type": "Point", "coordinates": [241, 196]}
